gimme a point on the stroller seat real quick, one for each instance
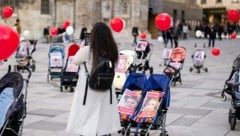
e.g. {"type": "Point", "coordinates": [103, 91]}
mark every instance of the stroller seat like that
{"type": "Point", "coordinates": [152, 103]}
{"type": "Point", "coordinates": [198, 58]}
{"type": "Point", "coordinates": [175, 64]}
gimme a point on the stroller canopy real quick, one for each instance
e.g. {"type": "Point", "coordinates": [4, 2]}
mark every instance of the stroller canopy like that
{"type": "Point", "coordinates": [178, 54]}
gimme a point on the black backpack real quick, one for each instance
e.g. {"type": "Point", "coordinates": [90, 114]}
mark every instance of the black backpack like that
{"type": "Point", "coordinates": [102, 76]}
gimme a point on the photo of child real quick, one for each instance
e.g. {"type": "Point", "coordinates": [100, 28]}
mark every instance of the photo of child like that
{"type": "Point", "coordinates": [129, 101]}
{"type": "Point", "coordinates": [150, 104]}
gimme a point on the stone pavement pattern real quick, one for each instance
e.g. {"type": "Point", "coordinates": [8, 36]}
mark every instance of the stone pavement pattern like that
{"type": "Point", "coordinates": [196, 108]}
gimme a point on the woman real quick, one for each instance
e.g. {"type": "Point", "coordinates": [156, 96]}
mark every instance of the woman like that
{"type": "Point", "coordinates": [98, 116]}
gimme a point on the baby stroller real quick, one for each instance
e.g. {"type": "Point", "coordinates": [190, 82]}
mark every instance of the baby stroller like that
{"type": "Point", "coordinates": [126, 58]}
{"type": "Point", "coordinates": [56, 56]}
{"type": "Point", "coordinates": [198, 58]}
{"type": "Point", "coordinates": [143, 50]}
{"type": "Point", "coordinates": [166, 55]}
{"type": "Point", "coordinates": [232, 88]}
{"type": "Point", "coordinates": [13, 103]}
{"type": "Point", "coordinates": [153, 101]}
{"type": "Point", "coordinates": [24, 55]}
{"type": "Point", "coordinates": [69, 75]}
{"type": "Point", "coordinates": [175, 65]}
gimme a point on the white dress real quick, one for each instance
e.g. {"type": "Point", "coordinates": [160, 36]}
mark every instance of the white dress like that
{"type": "Point", "coordinates": [97, 116]}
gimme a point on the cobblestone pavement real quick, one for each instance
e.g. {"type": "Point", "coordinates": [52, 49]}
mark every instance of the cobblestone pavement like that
{"type": "Point", "coordinates": [196, 108]}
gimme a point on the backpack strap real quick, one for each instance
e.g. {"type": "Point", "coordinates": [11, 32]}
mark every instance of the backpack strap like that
{"type": "Point", "coordinates": [86, 87]}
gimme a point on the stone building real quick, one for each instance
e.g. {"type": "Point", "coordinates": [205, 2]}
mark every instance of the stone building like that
{"type": "Point", "coordinates": [37, 14]}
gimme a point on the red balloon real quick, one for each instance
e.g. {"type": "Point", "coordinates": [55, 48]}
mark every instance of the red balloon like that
{"type": "Point", "coordinates": [53, 31]}
{"type": "Point", "coordinates": [66, 24]}
{"type": "Point", "coordinates": [163, 21]}
{"type": "Point", "coordinates": [72, 50]}
{"type": "Point", "coordinates": [9, 41]}
{"type": "Point", "coordinates": [117, 24]}
{"type": "Point", "coordinates": [215, 51]}
{"type": "Point", "coordinates": [7, 12]}
{"type": "Point", "coordinates": [143, 35]}
{"type": "Point", "coordinates": [233, 15]}
{"type": "Point", "coordinates": [233, 35]}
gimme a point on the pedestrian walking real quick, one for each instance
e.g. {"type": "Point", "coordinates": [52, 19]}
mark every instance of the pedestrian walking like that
{"type": "Point", "coordinates": [176, 32]}
{"type": "Point", "coordinates": [98, 116]}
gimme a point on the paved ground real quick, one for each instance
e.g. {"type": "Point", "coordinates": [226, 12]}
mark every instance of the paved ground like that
{"type": "Point", "coordinates": [196, 108]}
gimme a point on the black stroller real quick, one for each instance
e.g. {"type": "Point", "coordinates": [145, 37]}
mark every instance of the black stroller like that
{"type": "Point", "coordinates": [143, 50]}
{"type": "Point", "coordinates": [69, 75]}
{"type": "Point", "coordinates": [232, 88]}
{"type": "Point", "coordinates": [13, 95]}
{"type": "Point", "coordinates": [24, 55]}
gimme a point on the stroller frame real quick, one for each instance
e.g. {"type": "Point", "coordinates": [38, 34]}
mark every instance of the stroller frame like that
{"type": "Point", "coordinates": [55, 74]}
{"type": "Point", "coordinates": [232, 88]}
{"type": "Point", "coordinates": [159, 120]}
{"type": "Point", "coordinates": [13, 125]}
{"type": "Point", "coordinates": [28, 60]}
{"type": "Point", "coordinates": [144, 59]}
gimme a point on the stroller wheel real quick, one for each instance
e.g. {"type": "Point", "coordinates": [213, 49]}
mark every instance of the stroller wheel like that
{"type": "Point", "coordinates": [232, 119]}
{"type": "Point", "coordinates": [61, 89]}
{"type": "Point", "coordinates": [163, 134]}
{"type": "Point", "coordinates": [72, 89]}
{"type": "Point", "coordinates": [198, 71]}
{"type": "Point", "coordinates": [190, 69]}
{"type": "Point", "coordinates": [33, 67]}
{"type": "Point", "coordinates": [206, 69]}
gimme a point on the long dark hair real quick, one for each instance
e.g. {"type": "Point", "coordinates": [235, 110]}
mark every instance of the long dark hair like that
{"type": "Point", "coordinates": [83, 32]}
{"type": "Point", "coordinates": [103, 44]}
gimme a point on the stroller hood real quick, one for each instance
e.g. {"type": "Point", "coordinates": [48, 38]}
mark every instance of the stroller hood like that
{"type": "Point", "coordinates": [236, 63]}
{"type": "Point", "coordinates": [178, 54]}
{"type": "Point", "coordinates": [135, 81]}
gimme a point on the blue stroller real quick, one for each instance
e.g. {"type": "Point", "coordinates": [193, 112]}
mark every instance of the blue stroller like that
{"type": "Point", "coordinates": [13, 103]}
{"type": "Point", "coordinates": [151, 111]}
{"type": "Point", "coordinates": [56, 56]}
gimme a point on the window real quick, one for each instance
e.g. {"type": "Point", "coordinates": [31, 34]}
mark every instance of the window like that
{"type": "Point", "coordinates": [235, 1]}
{"type": "Point", "coordinates": [45, 7]}
{"type": "Point", "coordinates": [218, 1]}
{"type": "Point", "coordinates": [203, 1]}
{"type": "Point", "coordinates": [11, 3]}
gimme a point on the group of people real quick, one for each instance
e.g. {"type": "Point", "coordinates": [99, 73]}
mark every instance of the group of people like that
{"type": "Point", "coordinates": [173, 35]}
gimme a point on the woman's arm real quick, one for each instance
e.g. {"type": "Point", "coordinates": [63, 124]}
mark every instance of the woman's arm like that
{"type": "Point", "coordinates": [82, 55]}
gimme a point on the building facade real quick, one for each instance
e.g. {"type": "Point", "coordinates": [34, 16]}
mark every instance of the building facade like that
{"type": "Point", "coordinates": [37, 14]}
{"type": "Point", "coordinates": [215, 11]}
{"type": "Point", "coordinates": [180, 11]}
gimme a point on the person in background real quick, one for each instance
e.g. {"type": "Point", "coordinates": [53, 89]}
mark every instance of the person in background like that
{"type": "Point", "coordinates": [211, 36]}
{"type": "Point", "coordinates": [18, 26]}
{"type": "Point", "coordinates": [176, 32]}
{"type": "Point", "coordinates": [94, 113]}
